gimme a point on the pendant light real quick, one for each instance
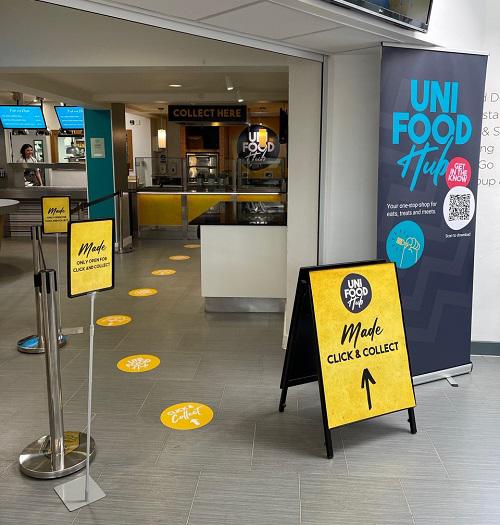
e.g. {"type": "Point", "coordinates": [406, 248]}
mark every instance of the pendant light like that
{"type": "Point", "coordinates": [162, 136]}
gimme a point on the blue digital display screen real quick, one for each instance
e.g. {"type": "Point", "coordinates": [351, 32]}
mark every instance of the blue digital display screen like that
{"type": "Point", "coordinates": [22, 117]}
{"type": "Point", "coordinates": [70, 117]}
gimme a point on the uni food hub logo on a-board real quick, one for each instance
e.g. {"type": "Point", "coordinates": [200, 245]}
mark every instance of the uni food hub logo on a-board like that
{"type": "Point", "coordinates": [356, 292]}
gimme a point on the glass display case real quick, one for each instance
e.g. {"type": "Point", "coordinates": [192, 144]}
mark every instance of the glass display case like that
{"type": "Point", "coordinates": [203, 169]}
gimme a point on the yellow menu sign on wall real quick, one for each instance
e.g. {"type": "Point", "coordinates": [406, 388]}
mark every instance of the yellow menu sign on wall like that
{"type": "Point", "coordinates": [90, 256]}
{"type": "Point", "coordinates": [56, 214]}
{"type": "Point", "coordinates": [361, 341]}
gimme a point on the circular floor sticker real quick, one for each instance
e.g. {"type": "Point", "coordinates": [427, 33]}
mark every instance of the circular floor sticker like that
{"type": "Point", "coordinates": [179, 257]}
{"type": "Point", "coordinates": [191, 246]}
{"type": "Point", "coordinates": [187, 416]}
{"type": "Point", "coordinates": [143, 292]}
{"type": "Point", "coordinates": [138, 363]}
{"type": "Point", "coordinates": [114, 320]}
{"type": "Point", "coordinates": [164, 272]}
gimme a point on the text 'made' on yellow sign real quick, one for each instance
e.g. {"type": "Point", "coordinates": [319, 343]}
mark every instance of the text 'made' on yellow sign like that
{"type": "Point", "coordinates": [90, 256]}
{"type": "Point", "coordinates": [187, 416]}
{"type": "Point", "coordinates": [362, 343]}
{"type": "Point", "coordinates": [56, 214]}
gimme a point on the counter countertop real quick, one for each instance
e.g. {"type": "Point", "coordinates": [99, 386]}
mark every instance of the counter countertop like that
{"type": "Point", "coordinates": [244, 214]}
{"type": "Point", "coordinates": [8, 206]}
{"type": "Point", "coordinates": [217, 190]}
{"type": "Point", "coordinates": [35, 192]}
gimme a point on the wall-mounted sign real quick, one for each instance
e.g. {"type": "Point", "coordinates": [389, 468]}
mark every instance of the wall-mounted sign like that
{"type": "Point", "coordinates": [97, 148]}
{"type": "Point", "coordinates": [90, 256]}
{"type": "Point", "coordinates": [257, 145]}
{"type": "Point", "coordinates": [207, 113]}
{"type": "Point", "coordinates": [350, 317]}
{"type": "Point", "coordinates": [56, 214]}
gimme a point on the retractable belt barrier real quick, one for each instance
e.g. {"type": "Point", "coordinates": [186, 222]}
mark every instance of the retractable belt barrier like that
{"type": "Point", "coordinates": [60, 453]}
{"type": "Point", "coordinates": [119, 245]}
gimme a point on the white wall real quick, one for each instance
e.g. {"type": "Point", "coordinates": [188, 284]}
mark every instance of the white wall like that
{"type": "Point", "coordinates": [486, 312]}
{"type": "Point", "coordinates": [141, 136]}
{"type": "Point", "coordinates": [304, 107]}
{"type": "Point", "coordinates": [349, 185]}
{"type": "Point", "coordinates": [457, 24]}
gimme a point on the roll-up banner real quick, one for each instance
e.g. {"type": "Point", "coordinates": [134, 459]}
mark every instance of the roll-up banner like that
{"type": "Point", "coordinates": [430, 133]}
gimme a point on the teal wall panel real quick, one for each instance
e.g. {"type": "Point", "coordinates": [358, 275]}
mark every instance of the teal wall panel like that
{"type": "Point", "coordinates": [100, 177]}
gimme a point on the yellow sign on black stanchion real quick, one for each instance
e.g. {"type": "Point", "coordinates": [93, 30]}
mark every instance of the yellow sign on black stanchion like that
{"type": "Point", "coordinates": [347, 332]}
{"type": "Point", "coordinates": [56, 214]}
{"type": "Point", "coordinates": [90, 257]}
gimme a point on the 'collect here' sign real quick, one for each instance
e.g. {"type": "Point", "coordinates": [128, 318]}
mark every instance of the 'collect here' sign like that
{"type": "Point", "coordinates": [207, 113]}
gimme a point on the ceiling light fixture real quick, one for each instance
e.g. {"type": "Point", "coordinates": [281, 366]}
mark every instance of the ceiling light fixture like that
{"type": "Point", "coordinates": [229, 84]}
{"type": "Point", "coordinates": [175, 85]}
{"type": "Point", "coordinates": [240, 98]}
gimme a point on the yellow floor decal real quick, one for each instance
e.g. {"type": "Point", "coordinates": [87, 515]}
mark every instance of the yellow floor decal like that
{"type": "Point", "coordinates": [114, 320]}
{"type": "Point", "coordinates": [163, 272]}
{"type": "Point", "coordinates": [187, 416]}
{"type": "Point", "coordinates": [179, 257]}
{"type": "Point", "coordinates": [191, 246]}
{"type": "Point", "coordinates": [143, 292]}
{"type": "Point", "coordinates": [138, 363]}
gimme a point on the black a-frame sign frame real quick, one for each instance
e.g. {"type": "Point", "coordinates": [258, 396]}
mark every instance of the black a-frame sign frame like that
{"type": "Point", "coordinates": [302, 359]}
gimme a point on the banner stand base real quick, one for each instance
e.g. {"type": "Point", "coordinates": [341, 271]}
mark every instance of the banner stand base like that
{"type": "Point", "coordinates": [442, 374]}
{"type": "Point", "coordinates": [72, 493]}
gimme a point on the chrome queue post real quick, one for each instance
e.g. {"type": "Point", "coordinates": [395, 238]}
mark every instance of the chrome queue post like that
{"type": "Point", "coordinates": [33, 344]}
{"type": "Point", "coordinates": [60, 453]}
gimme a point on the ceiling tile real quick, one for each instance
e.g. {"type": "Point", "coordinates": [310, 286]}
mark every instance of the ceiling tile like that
{"type": "Point", "coordinates": [270, 21]}
{"type": "Point", "coordinates": [190, 9]}
{"type": "Point", "coordinates": [340, 39]}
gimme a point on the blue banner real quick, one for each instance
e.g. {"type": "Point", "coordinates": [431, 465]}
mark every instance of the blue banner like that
{"type": "Point", "coordinates": [430, 133]}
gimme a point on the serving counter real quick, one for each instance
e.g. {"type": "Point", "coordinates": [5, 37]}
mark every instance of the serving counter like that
{"type": "Point", "coordinates": [29, 210]}
{"type": "Point", "coordinates": [243, 256]}
{"type": "Point", "coordinates": [7, 206]}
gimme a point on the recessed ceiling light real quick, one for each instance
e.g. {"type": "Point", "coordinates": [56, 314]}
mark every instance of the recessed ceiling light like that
{"type": "Point", "coordinates": [175, 85]}
{"type": "Point", "coordinates": [240, 100]}
{"type": "Point", "coordinates": [229, 84]}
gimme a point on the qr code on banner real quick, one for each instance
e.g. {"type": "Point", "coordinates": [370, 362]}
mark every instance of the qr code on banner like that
{"type": "Point", "coordinates": [459, 207]}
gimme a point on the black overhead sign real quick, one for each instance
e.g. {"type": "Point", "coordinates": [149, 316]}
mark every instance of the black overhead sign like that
{"type": "Point", "coordinates": [208, 113]}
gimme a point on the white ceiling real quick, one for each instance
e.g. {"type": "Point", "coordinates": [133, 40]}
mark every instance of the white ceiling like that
{"type": "Point", "coordinates": [312, 25]}
{"type": "Point", "coordinates": [148, 87]}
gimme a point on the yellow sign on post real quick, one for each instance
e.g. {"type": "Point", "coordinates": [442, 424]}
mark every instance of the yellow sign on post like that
{"type": "Point", "coordinates": [90, 256]}
{"type": "Point", "coordinates": [56, 214]}
{"type": "Point", "coordinates": [347, 332]}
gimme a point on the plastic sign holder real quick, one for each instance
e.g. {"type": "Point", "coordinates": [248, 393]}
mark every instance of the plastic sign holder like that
{"type": "Point", "coordinates": [60, 453]}
{"type": "Point", "coordinates": [35, 344]}
{"type": "Point", "coordinates": [90, 269]}
{"type": "Point", "coordinates": [347, 332]}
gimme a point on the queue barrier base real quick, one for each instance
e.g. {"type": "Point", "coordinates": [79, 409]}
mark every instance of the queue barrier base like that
{"type": "Point", "coordinates": [33, 345]}
{"type": "Point", "coordinates": [36, 459]}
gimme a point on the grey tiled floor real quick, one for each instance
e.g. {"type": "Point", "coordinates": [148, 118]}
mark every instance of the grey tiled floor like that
{"type": "Point", "coordinates": [251, 465]}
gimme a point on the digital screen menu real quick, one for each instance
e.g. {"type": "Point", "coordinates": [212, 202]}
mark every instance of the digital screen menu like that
{"type": "Point", "coordinates": [22, 117]}
{"type": "Point", "coordinates": [70, 117]}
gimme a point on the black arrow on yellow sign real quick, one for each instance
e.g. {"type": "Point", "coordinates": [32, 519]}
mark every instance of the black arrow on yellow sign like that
{"type": "Point", "coordinates": [366, 379]}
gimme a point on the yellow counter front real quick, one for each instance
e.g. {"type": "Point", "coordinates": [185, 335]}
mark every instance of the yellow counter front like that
{"type": "Point", "coordinates": [171, 209]}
